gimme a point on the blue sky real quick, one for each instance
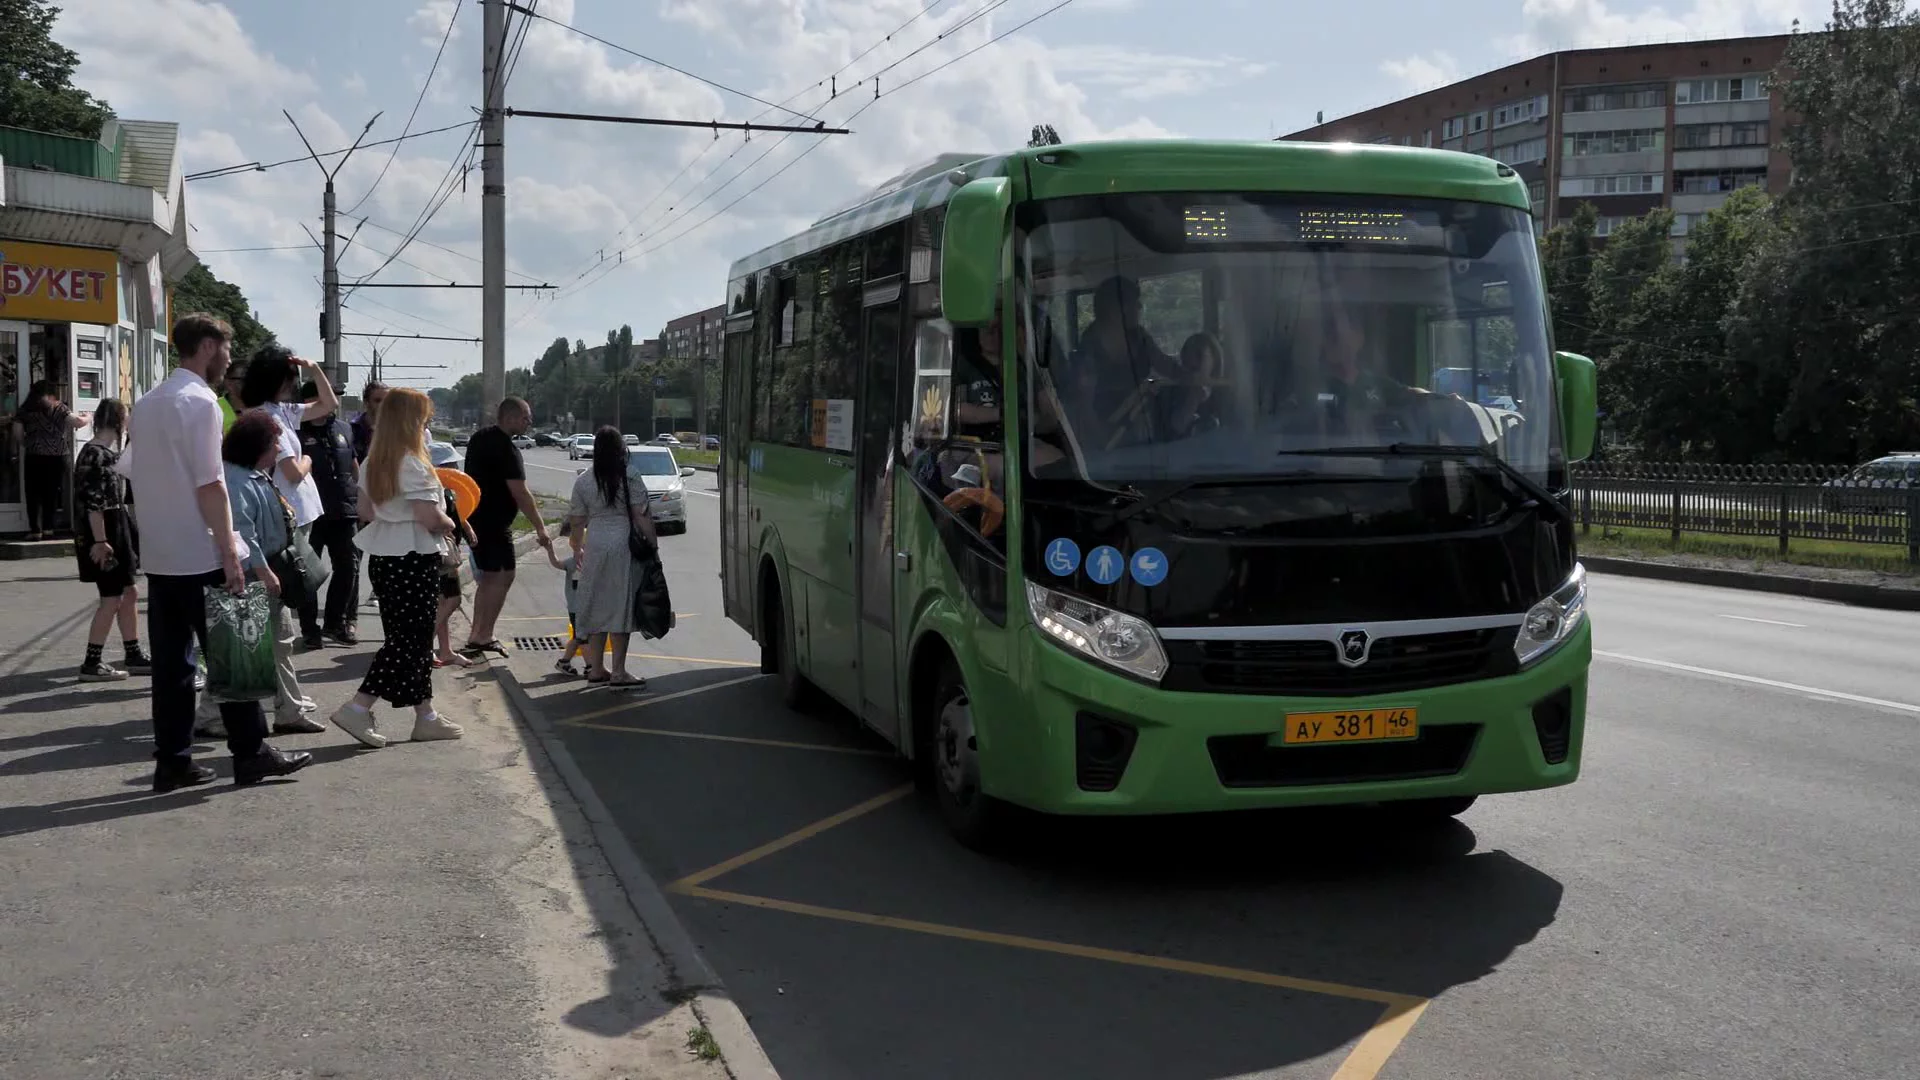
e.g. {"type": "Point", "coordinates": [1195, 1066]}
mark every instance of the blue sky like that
{"type": "Point", "coordinates": [1094, 69]}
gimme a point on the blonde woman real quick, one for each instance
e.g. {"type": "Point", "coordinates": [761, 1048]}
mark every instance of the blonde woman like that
{"type": "Point", "coordinates": [405, 523]}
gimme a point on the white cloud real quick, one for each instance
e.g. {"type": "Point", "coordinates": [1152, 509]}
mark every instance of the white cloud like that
{"type": "Point", "coordinates": [195, 54]}
{"type": "Point", "coordinates": [355, 84]}
{"type": "Point", "coordinates": [1422, 72]}
{"type": "Point", "coordinates": [1135, 75]}
{"type": "Point", "coordinates": [1572, 24]}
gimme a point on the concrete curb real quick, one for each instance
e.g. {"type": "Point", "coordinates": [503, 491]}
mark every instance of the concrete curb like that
{"type": "Point", "coordinates": [1844, 592]}
{"type": "Point", "coordinates": [740, 1049]}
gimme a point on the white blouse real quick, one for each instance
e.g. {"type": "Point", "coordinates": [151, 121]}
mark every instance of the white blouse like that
{"type": "Point", "coordinates": [393, 530]}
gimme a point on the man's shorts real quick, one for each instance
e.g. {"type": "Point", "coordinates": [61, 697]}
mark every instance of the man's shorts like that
{"type": "Point", "coordinates": [493, 553]}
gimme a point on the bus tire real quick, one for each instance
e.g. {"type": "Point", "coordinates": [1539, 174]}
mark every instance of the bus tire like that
{"type": "Point", "coordinates": [972, 816]}
{"type": "Point", "coordinates": [777, 651]}
{"type": "Point", "coordinates": [1441, 809]}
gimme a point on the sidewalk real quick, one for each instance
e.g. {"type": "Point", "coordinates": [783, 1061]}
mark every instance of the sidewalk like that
{"type": "Point", "coordinates": [413, 912]}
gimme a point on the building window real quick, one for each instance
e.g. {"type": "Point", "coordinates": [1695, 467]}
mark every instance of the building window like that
{"type": "Point", "coordinates": [1574, 187]}
{"type": "Point", "coordinates": [1710, 136]}
{"type": "Point", "coordinates": [1454, 128]}
{"type": "Point", "coordinates": [1519, 112]}
{"type": "Point", "coordinates": [1477, 122]}
{"type": "Point", "coordinates": [1537, 193]}
{"type": "Point", "coordinates": [1707, 91]}
{"type": "Point", "coordinates": [1609, 98]}
{"type": "Point", "coordinates": [1606, 223]}
{"type": "Point", "coordinates": [1427, 139]}
{"type": "Point", "coordinates": [1520, 153]}
{"type": "Point", "coordinates": [1712, 181]}
{"type": "Point", "coordinates": [1591, 143]}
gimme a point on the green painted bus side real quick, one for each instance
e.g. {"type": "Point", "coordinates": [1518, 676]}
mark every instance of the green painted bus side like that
{"type": "Point", "coordinates": [834, 558]}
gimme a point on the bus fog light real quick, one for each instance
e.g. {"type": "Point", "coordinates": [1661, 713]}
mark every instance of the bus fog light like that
{"type": "Point", "coordinates": [1114, 638]}
{"type": "Point", "coordinates": [1553, 620]}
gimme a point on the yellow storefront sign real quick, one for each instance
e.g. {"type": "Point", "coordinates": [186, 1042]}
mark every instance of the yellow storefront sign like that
{"type": "Point", "coordinates": [59, 284]}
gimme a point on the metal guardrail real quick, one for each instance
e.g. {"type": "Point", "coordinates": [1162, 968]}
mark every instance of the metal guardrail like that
{"type": "Point", "coordinates": [1788, 502]}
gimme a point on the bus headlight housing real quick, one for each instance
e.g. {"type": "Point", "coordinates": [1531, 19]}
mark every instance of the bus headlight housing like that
{"type": "Point", "coordinates": [1114, 638]}
{"type": "Point", "coordinates": [1549, 623]}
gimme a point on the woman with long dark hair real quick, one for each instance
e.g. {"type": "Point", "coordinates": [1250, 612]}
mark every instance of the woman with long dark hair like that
{"type": "Point", "coordinates": [609, 500]}
{"type": "Point", "coordinates": [45, 422]}
{"type": "Point", "coordinates": [106, 546]}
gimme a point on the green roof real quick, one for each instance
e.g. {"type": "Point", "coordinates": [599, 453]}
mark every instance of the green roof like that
{"type": "Point", "coordinates": [1097, 168]}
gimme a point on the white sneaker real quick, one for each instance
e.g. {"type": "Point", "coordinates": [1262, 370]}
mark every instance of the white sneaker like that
{"type": "Point", "coordinates": [433, 726]}
{"type": "Point", "coordinates": [358, 723]}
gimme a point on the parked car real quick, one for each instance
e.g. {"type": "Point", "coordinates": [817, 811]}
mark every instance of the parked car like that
{"type": "Point", "coordinates": [664, 439]}
{"type": "Point", "coordinates": [524, 442]}
{"type": "Point", "coordinates": [630, 440]}
{"type": "Point", "coordinates": [549, 438]}
{"type": "Point", "coordinates": [460, 438]}
{"type": "Point", "coordinates": [1878, 487]}
{"type": "Point", "coordinates": [713, 442]}
{"type": "Point", "coordinates": [666, 486]}
{"type": "Point", "coordinates": [579, 446]}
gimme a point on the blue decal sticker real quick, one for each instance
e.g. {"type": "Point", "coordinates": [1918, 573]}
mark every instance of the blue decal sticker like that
{"type": "Point", "coordinates": [1105, 564]}
{"type": "Point", "coordinates": [1149, 566]}
{"type": "Point", "coordinates": [1063, 557]}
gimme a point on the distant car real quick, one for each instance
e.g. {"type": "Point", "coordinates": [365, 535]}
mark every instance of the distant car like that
{"type": "Point", "coordinates": [713, 442]}
{"type": "Point", "coordinates": [630, 440]}
{"type": "Point", "coordinates": [548, 438]}
{"type": "Point", "coordinates": [666, 440]}
{"type": "Point", "coordinates": [1880, 486]}
{"type": "Point", "coordinates": [666, 486]}
{"type": "Point", "coordinates": [443, 455]}
{"type": "Point", "coordinates": [524, 442]}
{"type": "Point", "coordinates": [460, 438]}
{"type": "Point", "coordinates": [579, 446]}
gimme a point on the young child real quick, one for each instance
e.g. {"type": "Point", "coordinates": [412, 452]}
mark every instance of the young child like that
{"type": "Point", "coordinates": [570, 587]}
{"type": "Point", "coordinates": [450, 588]}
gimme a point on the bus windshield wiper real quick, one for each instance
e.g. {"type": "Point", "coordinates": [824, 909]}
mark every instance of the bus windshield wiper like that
{"type": "Point", "coordinates": [1536, 493]}
{"type": "Point", "coordinates": [1148, 500]}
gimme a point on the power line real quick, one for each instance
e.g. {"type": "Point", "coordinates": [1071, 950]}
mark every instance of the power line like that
{"type": "Point", "coordinates": [658, 62]}
{"type": "Point", "coordinates": [408, 126]}
{"type": "Point", "coordinates": [254, 166]}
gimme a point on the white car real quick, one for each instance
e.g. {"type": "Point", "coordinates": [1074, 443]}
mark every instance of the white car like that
{"type": "Point", "coordinates": [666, 486]}
{"type": "Point", "coordinates": [579, 446]}
{"type": "Point", "coordinates": [524, 442]}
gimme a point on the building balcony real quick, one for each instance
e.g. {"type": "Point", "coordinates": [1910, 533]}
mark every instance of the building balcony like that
{"type": "Point", "coordinates": [139, 211]}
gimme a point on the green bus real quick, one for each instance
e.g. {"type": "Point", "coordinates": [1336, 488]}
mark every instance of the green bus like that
{"type": "Point", "coordinates": [1113, 478]}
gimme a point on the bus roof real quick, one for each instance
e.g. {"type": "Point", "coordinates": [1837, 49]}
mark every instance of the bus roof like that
{"type": "Point", "coordinates": [1092, 168]}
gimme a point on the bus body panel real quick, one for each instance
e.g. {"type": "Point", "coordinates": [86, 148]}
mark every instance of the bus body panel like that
{"type": "Point", "coordinates": [807, 497]}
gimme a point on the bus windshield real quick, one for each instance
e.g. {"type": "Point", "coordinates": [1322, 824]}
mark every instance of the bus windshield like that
{"type": "Point", "coordinates": [1173, 337]}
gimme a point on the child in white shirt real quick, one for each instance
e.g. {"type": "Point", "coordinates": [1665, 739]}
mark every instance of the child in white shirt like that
{"type": "Point", "coordinates": [570, 588]}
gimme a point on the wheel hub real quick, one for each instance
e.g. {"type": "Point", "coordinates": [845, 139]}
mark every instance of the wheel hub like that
{"type": "Point", "coordinates": [953, 748]}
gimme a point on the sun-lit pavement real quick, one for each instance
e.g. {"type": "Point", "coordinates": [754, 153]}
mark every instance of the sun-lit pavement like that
{"type": "Point", "coordinates": [1727, 892]}
{"type": "Point", "coordinates": [420, 911]}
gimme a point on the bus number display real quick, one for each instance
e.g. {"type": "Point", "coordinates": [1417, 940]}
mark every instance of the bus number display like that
{"type": "Point", "coordinates": [1304, 225]}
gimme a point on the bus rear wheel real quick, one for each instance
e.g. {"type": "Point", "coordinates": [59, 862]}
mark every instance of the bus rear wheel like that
{"type": "Point", "coordinates": [953, 763]}
{"type": "Point", "coordinates": [777, 652]}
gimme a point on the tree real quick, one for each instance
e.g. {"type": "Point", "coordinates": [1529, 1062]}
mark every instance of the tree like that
{"type": "Point", "coordinates": [1044, 135]}
{"type": "Point", "coordinates": [201, 291]}
{"type": "Point", "coordinates": [1826, 304]}
{"type": "Point", "coordinates": [1566, 257]}
{"type": "Point", "coordinates": [36, 75]}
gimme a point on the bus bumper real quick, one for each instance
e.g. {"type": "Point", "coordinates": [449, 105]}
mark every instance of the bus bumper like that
{"type": "Point", "coordinates": [1075, 738]}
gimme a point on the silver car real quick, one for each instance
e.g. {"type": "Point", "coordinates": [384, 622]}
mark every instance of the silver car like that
{"type": "Point", "coordinates": [666, 486]}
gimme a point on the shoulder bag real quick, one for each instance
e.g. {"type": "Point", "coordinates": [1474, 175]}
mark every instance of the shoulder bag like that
{"type": "Point", "coordinates": [300, 571]}
{"type": "Point", "coordinates": [638, 545]}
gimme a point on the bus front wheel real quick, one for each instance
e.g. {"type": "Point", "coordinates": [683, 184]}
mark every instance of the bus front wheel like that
{"type": "Point", "coordinates": [777, 652]}
{"type": "Point", "coordinates": [953, 762]}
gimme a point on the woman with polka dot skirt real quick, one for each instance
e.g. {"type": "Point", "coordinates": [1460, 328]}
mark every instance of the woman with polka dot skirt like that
{"type": "Point", "coordinates": [405, 525]}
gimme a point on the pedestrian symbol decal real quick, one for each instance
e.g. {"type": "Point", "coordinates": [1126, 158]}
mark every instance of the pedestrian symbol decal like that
{"type": "Point", "coordinates": [1105, 564]}
{"type": "Point", "coordinates": [1149, 566]}
{"type": "Point", "coordinates": [1063, 557]}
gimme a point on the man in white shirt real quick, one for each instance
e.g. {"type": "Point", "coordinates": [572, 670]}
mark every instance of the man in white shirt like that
{"type": "Point", "coordinates": [188, 545]}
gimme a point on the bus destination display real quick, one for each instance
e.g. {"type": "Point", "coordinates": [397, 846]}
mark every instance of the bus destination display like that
{"type": "Point", "coordinates": [1297, 225]}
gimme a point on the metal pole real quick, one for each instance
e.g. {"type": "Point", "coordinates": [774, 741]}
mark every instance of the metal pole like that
{"type": "Point", "coordinates": [330, 286]}
{"type": "Point", "coordinates": [493, 210]}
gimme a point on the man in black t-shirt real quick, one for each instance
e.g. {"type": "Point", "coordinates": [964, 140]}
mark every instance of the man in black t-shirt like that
{"type": "Point", "coordinates": [495, 465]}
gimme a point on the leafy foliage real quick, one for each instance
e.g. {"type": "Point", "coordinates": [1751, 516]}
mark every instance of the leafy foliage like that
{"type": "Point", "coordinates": [36, 75]}
{"type": "Point", "coordinates": [1044, 135]}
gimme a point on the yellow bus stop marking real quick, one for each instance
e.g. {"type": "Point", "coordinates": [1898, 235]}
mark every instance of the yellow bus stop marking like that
{"type": "Point", "coordinates": [784, 744]}
{"type": "Point", "coordinates": [1364, 1062]}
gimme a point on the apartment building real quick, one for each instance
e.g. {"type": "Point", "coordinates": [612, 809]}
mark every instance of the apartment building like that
{"type": "Point", "coordinates": [695, 336]}
{"type": "Point", "coordinates": [1627, 129]}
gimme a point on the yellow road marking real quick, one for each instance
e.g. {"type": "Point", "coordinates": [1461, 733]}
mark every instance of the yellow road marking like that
{"type": "Point", "coordinates": [825, 748]}
{"type": "Point", "coordinates": [629, 706]}
{"type": "Point", "coordinates": [562, 617]}
{"type": "Point", "coordinates": [693, 660]}
{"type": "Point", "coordinates": [792, 838]}
{"type": "Point", "coordinates": [1364, 1062]}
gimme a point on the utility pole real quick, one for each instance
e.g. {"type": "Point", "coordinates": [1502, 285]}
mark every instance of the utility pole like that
{"type": "Point", "coordinates": [330, 265]}
{"type": "Point", "coordinates": [493, 208]}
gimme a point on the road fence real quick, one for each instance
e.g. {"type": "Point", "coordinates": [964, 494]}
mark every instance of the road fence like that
{"type": "Point", "coordinates": [1790, 502]}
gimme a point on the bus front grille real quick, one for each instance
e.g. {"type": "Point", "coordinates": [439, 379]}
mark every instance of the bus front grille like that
{"type": "Point", "coordinates": [1313, 669]}
{"type": "Point", "coordinates": [1249, 761]}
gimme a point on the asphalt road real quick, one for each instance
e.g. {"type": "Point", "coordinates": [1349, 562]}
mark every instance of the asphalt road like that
{"type": "Point", "coordinates": [1727, 892]}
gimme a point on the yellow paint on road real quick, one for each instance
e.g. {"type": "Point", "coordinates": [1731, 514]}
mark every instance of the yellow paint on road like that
{"type": "Point", "coordinates": [825, 748]}
{"type": "Point", "coordinates": [796, 836]}
{"type": "Point", "coordinates": [629, 706]}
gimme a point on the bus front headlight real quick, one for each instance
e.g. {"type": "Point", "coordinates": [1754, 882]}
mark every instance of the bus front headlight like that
{"type": "Point", "coordinates": [1553, 620]}
{"type": "Point", "coordinates": [1114, 638]}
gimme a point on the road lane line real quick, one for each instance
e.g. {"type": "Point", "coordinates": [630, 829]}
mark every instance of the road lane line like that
{"type": "Point", "coordinates": [1370, 1054]}
{"type": "Point", "coordinates": [805, 832]}
{"type": "Point", "coordinates": [1836, 695]}
{"type": "Point", "coordinates": [1767, 622]}
{"type": "Point", "coordinates": [649, 701]}
{"type": "Point", "coordinates": [783, 744]}
{"type": "Point", "coordinates": [1408, 1006]}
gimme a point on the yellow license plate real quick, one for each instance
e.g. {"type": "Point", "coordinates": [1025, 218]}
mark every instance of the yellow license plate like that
{"type": "Point", "coordinates": [1358, 725]}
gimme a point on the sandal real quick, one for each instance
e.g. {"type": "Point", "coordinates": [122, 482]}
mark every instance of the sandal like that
{"type": "Point", "coordinates": [565, 667]}
{"type": "Point", "coordinates": [477, 650]}
{"type": "Point", "coordinates": [452, 660]}
{"type": "Point", "coordinates": [591, 681]}
{"type": "Point", "coordinates": [628, 683]}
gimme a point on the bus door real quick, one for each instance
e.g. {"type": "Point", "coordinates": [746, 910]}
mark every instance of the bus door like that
{"type": "Point", "coordinates": [874, 563]}
{"type": "Point", "coordinates": [736, 542]}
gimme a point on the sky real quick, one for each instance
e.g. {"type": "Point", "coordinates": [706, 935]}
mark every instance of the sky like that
{"type": "Point", "coordinates": [637, 225]}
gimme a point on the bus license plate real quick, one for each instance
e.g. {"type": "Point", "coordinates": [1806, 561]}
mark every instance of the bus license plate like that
{"type": "Point", "coordinates": [1359, 725]}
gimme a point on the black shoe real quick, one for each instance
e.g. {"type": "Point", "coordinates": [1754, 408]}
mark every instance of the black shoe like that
{"type": "Point", "coordinates": [267, 764]}
{"type": "Point", "coordinates": [177, 772]}
{"type": "Point", "coordinates": [138, 662]}
{"type": "Point", "coordinates": [315, 639]}
{"type": "Point", "coordinates": [345, 635]}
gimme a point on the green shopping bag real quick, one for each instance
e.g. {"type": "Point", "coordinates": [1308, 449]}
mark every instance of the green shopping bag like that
{"type": "Point", "coordinates": [240, 644]}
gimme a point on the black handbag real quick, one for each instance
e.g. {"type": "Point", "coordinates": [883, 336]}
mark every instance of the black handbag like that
{"type": "Point", "coordinates": [638, 545]}
{"type": "Point", "coordinates": [300, 570]}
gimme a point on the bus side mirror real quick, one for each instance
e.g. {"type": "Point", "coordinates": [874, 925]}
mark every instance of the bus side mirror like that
{"type": "Point", "coordinates": [970, 247]}
{"type": "Point", "coordinates": [1579, 403]}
